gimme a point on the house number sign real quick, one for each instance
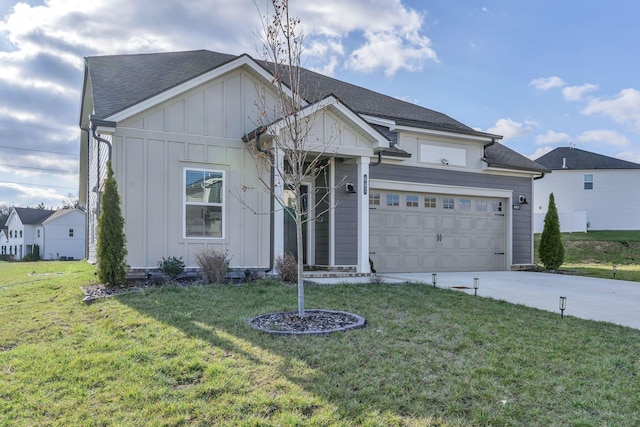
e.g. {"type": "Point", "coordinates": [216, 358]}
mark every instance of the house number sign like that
{"type": "Point", "coordinates": [364, 184]}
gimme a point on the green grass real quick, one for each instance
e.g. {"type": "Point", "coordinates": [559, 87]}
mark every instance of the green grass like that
{"type": "Point", "coordinates": [595, 252]}
{"type": "Point", "coordinates": [185, 356]}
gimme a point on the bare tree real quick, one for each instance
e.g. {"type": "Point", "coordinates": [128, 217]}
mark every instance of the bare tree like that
{"type": "Point", "coordinates": [70, 201]}
{"type": "Point", "coordinates": [287, 141]}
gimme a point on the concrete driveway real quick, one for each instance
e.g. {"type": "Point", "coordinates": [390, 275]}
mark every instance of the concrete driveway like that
{"type": "Point", "coordinates": [615, 301]}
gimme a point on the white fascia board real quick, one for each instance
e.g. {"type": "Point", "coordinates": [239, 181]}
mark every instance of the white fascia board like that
{"type": "Point", "coordinates": [391, 124]}
{"type": "Point", "coordinates": [105, 130]}
{"type": "Point", "coordinates": [450, 134]}
{"type": "Point", "coordinates": [243, 60]}
{"type": "Point", "coordinates": [439, 189]}
{"type": "Point", "coordinates": [511, 172]}
{"type": "Point", "coordinates": [379, 121]}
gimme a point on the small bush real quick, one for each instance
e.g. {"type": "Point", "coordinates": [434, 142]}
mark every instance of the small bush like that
{"type": "Point", "coordinates": [287, 267]}
{"type": "Point", "coordinates": [376, 280]}
{"type": "Point", "coordinates": [171, 266]}
{"type": "Point", "coordinates": [214, 265]}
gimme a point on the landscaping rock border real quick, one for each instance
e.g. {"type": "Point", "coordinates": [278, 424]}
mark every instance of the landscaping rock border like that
{"type": "Point", "coordinates": [315, 322]}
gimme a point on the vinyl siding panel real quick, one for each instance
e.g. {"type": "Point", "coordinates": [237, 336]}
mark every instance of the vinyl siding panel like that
{"type": "Point", "coordinates": [612, 204]}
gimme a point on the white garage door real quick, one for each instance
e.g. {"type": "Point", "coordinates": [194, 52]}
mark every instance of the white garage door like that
{"type": "Point", "coordinates": [419, 232]}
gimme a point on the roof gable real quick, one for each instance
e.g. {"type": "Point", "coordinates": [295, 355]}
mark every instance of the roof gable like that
{"type": "Point", "coordinates": [119, 82]}
{"type": "Point", "coordinates": [60, 213]}
{"type": "Point", "coordinates": [32, 216]}
{"type": "Point", "coordinates": [568, 158]}
{"type": "Point", "coordinates": [122, 85]}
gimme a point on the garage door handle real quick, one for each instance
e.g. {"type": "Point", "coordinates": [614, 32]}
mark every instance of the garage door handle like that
{"type": "Point", "coordinates": [498, 253]}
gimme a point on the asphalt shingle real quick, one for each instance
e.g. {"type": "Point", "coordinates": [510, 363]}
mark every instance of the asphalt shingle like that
{"type": "Point", "coordinates": [576, 159]}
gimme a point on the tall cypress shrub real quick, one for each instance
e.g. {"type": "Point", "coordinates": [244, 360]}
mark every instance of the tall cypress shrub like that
{"type": "Point", "coordinates": [112, 249]}
{"type": "Point", "coordinates": [551, 251]}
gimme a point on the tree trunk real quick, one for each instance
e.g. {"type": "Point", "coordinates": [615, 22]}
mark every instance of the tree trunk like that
{"type": "Point", "coordinates": [300, 249]}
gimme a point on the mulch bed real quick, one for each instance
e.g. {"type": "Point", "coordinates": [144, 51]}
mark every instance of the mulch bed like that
{"type": "Point", "coordinates": [314, 322]}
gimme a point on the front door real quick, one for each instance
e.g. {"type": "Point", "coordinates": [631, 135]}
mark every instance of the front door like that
{"type": "Point", "coordinates": [290, 246]}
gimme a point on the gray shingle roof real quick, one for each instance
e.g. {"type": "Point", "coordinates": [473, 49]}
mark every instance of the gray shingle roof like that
{"type": "Point", "coordinates": [33, 216]}
{"type": "Point", "coordinates": [576, 159]}
{"type": "Point", "coordinates": [501, 156]}
{"type": "Point", "coordinates": [122, 81]}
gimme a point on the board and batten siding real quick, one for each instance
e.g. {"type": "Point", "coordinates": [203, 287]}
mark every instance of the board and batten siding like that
{"type": "Point", "coordinates": [346, 215]}
{"type": "Point", "coordinates": [522, 243]}
{"type": "Point", "coordinates": [200, 129]}
{"type": "Point", "coordinates": [612, 204]}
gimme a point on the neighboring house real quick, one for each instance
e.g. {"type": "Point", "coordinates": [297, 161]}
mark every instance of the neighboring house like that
{"type": "Point", "coordinates": [58, 234]}
{"type": "Point", "coordinates": [591, 191]}
{"type": "Point", "coordinates": [4, 240]}
{"type": "Point", "coordinates": [427, 192]}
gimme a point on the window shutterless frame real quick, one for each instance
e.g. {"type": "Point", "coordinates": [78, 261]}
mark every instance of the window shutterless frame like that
{"type": "Point", "coordinates": [203, 207]}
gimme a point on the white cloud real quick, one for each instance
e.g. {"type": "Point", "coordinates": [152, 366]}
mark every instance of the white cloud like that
{"type": "Point", "coordinates": [390, 52]}
{"type": "Point", "coordinates": [552, 137]}
{"type": "Point", "coordinates": [546, 83]}
{"type": "Point", "coordinates": [624, 108]}
{"type": "Point", "coordinates": [541, 151]}
{"type": "Point", "coordinates": [509, 128]}
{"type": "Point", "coordinates": [391, 34]}
{"type": "Point", "coordinates": [328, 68]}
{"type": "Point", "coordinates": [608, 137]}
{"type": "Point", "coordinates": [575, 93]}
{"type": "Point", "coordinates": [629, 155]}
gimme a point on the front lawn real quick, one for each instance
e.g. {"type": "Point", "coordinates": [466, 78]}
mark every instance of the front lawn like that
{"type": "Point", "coordinates": [185, 356]}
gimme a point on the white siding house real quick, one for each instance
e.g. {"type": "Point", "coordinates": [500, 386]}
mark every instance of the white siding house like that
{"type": "Point", "coordinates": [64, 235]}
{"type": "Point", "coordinates": [591, 191]}
{"type": "Point", "coordinates": [54, 234]}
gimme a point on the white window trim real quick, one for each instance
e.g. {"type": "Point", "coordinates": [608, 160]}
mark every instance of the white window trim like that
{"type": "Point", "coordinates": [222, 205]}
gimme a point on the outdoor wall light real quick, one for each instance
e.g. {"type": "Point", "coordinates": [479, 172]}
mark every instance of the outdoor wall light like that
{"type": "Point", "coordinates": [434, 279]}
{"type": "Point", "coordinates": [614, 269]}
{"type": "Point", "coordinates": [563, 305]}
{"type": "Point", "coordinates": [522, 200]}
{"type": "Point", "coordinates": [149, 275]}
{"type": "Point", "coordinates": [476, 285]}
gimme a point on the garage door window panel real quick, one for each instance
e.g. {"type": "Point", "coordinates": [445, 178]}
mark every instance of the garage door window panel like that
{"type": "Point", "coordinates": [448, 203]}
{"type": "Point", "coordinates": [412, 201]}
{"type": "Point", "coordinates": [430, 202]}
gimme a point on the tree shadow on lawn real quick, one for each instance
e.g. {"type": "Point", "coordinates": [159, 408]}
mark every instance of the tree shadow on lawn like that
{"type": "Point", "coordinates": [416, 362]}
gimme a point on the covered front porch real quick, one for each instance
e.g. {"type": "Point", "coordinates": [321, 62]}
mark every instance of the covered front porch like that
{"type": "Point", "coordinates": [336, 221]}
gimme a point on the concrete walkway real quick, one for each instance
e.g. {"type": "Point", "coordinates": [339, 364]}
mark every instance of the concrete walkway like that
{"type": "Point", "coordinates": [614, 301]}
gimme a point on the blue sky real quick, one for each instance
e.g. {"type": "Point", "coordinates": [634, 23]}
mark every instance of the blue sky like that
{"type": "Point", "coordinates": [542, 73]}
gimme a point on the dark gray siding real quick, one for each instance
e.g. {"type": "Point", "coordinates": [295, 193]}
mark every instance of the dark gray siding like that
{"type": "Point", "coordinates": [346, 216]}
{"type": "Point", "coordinates": [322, 222]}
{"type": "Point", "coordinates": [522, 222]}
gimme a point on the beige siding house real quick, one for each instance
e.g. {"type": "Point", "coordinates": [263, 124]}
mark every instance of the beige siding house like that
{"type": "Point", "coordinates": [425, 193]}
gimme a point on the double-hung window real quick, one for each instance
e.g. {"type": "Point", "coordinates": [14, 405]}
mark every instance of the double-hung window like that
{"type": "Point", "coordinates": [203, 203]}
{"type": "Point", "coordinates": [588, 181]}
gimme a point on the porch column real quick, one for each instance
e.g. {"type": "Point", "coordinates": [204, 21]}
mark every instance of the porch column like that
{"type": "Point", "coordinates": [278, 211]}
{"type": "Point", "coordinates": [363, 215]}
